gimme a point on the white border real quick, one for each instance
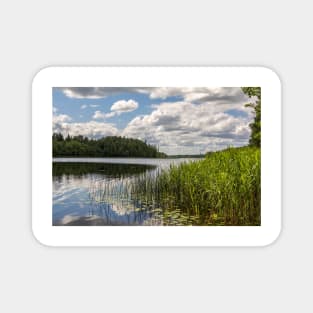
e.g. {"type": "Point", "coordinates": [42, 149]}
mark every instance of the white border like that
{"type": "Point", "coordinates": [50, 235]}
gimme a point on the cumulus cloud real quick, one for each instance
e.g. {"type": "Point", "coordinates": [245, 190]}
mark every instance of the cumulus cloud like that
{"type": "Point", "coordinates": [124, 106]}
{"type": "Point", "coordinates": [200, 119]}
{"type": "Point", "coordinates": [90, 129]}
{"type": "Point", "coordinates": [102, 115]}
{"type": "Point", "coordinates": [189, 127]}
{"type": "Point", "coordinates": [84, 92]}
{"type": "Point", "coordinates": [96, 92]}
{"type": "Point", "coordinates": [64, 124]}
{"type": "Point", "coordinates": [220, 94]}
{"type": "Point", "coordinates": [119, 107]}
{"type": "Point", "coordinates": [61, 118]}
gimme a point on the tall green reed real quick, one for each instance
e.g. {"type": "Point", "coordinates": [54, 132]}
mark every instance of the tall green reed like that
{"type": "Point", "coordinates": [223, 189]}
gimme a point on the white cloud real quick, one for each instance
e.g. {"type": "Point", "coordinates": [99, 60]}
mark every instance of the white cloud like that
{"type": "Point", "coordinates": [201, 94]}
{"type": "Point", "coordinates": [97, 92]}
{"type": "Point", "coordinates": [84, 92]}
{"type": "Point", "coordinates": [111, 114]}
{"type": "Point", "coordinates": [101, 115]}
{"type": "Point", "coordinates": [90, 129]}
{"type": "Point", "coordinates": [117, 108]}
{"type": "Point", "coordinates": [185, 127]}
{"type": "Point", "coordinates": [189, 94]}
{"type": "Point", "coordinates": [124, 106]}
{"type": "Point", "coordinates": [84, 106]}
{"type": "Point", "coordinates": [54, 109]}
{"type": "Point", "coordinates": [61, 118]}
{"type": "Point", "coordinates": [98, 115]}
{"type": "Point", "coordinates": [202, 119]}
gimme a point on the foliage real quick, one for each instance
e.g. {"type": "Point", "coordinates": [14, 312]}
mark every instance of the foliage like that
{"type": "Point", "coordinates": [222, 189]}
{"type": "Point", "coordinates": [110, 146]}
{"type": "Point", "coordinates": [255, 139]}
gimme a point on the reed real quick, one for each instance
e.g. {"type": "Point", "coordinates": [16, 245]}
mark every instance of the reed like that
{"type": "Point", "coordinates": [223, 189]}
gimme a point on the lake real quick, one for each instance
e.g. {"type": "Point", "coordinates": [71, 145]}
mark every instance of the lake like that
{"type": "Point", "coordinates": [100, 191]}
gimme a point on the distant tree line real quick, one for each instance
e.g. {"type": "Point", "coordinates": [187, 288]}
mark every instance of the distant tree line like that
{"type": "Point", "coordinates": [111, 146]}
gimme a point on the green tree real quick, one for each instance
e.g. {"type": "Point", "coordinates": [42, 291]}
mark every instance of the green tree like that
{"type": "Point", "coordinates": [255, 139]}
{"type": "Point", "coordinates": [110, 146]}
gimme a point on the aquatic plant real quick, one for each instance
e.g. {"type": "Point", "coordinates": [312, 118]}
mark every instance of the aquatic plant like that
{"type": "Point", "coordinates": [222, 189]}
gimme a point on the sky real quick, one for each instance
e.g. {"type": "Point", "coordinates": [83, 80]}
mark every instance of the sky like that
{"type": "Point", "coordinates": [177, 120]}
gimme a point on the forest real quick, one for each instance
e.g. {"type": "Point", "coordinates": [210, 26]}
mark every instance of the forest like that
{"type": "Point", "coordinates": [111, 146]}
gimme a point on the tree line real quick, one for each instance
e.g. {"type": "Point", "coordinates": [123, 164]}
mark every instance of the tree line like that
{"type": "Point", "coordinates": [111, 146]}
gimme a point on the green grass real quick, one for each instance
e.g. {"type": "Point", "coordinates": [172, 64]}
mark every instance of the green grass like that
{"type": "Point", "coordinates": [222, 189]}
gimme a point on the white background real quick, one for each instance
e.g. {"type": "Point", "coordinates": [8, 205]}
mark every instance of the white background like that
{"type": "Point", "coordinates": [35, 34]}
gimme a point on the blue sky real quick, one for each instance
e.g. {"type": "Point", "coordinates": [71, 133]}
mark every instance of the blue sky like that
{"type": "Point", "coordinates": [178, 120]}
{"type": "Point", "coordinates": [82, 110]}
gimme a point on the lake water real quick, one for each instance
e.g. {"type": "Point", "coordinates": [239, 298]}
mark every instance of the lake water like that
{"type": "Point", "coordinates": [93, 192]}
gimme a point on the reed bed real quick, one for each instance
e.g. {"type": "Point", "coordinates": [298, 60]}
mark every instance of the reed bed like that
{"type": "Point", "coordinates": [223, 189]}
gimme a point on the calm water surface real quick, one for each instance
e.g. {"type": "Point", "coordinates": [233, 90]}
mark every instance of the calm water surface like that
{"type": "Point", "coordinates": [91, 191]}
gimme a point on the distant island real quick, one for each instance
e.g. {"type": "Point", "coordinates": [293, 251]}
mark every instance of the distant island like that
{"type": "Point", "coordinates": [111, 146]}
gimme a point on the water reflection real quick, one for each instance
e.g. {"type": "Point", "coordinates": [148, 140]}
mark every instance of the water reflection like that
{"type": "Point", "coordinates": [97, 194]}
{"type": "Point", "coordinates": [78, 186]}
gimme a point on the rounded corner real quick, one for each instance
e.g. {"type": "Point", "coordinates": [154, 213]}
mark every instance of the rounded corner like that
{"type": "Point", "coordinates": [41, 73]}
{"type": "Point", "coordinates": [38, 239]}
{"type": "Point", "coordinates": [273, 239]}
{"type": "Point", "coordinates": [272, 74]}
